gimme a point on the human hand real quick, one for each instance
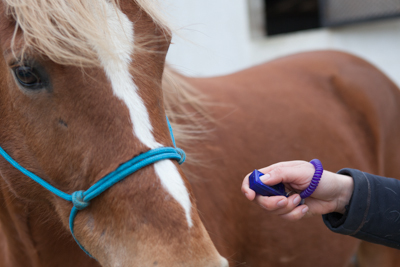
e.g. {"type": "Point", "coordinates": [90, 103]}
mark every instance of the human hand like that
{"type": "Point", "coordinates": [332, 194]}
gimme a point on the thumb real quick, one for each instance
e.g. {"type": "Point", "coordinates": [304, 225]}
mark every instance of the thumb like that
{"type": "Point", "coordinates": [271, 179]}
{"type": "Point", "coordinates": [297, 175]}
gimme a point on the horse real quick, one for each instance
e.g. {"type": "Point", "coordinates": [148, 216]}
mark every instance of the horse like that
{"type": "Point", "coordinates": [84, 88]}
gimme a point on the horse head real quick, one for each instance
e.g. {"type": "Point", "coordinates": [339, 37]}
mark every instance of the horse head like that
{"type": "Point", "coordinates": [80, 95]}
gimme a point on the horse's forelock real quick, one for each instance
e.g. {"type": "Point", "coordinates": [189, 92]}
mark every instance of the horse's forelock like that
{"type": "Point", "coordinates": [65, 30]}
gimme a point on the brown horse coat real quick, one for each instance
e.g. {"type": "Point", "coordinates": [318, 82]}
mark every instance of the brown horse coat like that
{"type": "Point", "coordinates": [327, 105]}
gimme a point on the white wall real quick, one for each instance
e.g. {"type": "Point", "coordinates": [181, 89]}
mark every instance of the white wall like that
{"type": "Point", "coordinates": [217, 39]}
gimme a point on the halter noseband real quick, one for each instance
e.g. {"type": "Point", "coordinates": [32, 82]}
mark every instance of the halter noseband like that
{"type": "Point", "coordinates": [81, 199]}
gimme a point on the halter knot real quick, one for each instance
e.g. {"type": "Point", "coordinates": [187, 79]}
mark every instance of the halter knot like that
{"type": "Point", "coordinates": [77, 200]}
{"type": "Point", "coordinates": [182, 154]}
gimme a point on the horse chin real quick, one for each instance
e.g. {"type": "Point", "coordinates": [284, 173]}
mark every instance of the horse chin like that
{"type": "Point", "coordinates": [218, 262]}
{"type": "Point", "coordinates": [161, 257]}
{"type": "Point", "coordinates": [165, 256]}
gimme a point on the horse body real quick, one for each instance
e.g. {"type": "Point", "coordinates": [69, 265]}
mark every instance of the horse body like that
{"type": "Point", "coordinates": [101, 104]}
{"type": "Point", "coordinates": [327, 105]}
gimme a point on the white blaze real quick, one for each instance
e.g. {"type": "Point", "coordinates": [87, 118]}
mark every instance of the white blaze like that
{"type": "Point", "coordinates": [116, 66]}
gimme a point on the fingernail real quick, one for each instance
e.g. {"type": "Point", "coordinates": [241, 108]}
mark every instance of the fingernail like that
{"type": "Point", "coordinates": [281, 203]}
{"type": "Point", "coordinates": [265, 177]}
{"type": "Point", "coordinates": [296, 200]}
{"type": "Point", "coordinates": [247, 195]}
{"type": "Point", "coordinates": [304, 210]}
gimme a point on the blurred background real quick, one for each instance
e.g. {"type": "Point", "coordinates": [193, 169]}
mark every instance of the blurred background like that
{"type": "Point", "coordinates": [217, 37]}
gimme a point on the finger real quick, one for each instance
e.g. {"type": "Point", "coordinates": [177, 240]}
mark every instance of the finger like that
{"type": "Point", "coordinates": [272, 203]}
{"type": "Point", "coordinates": [296, 214]}
{"type": "Point", "coordinates": [250, 194]}
{"type": "Point", "coordinates": [299, 175]}
{"type": "Point", "coordinates": [282, 164]}
{"type": "Point", "coordinates": [279, 205]}
{"type": "Point", "coordinates": [292, 202]}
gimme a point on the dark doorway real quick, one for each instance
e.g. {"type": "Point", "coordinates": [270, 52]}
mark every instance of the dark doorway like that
{"type": "Point", "coordinates": [284, 16]}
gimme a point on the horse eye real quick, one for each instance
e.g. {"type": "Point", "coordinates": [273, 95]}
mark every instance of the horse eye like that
{"type": "Point", "coordinates": [28, 77]}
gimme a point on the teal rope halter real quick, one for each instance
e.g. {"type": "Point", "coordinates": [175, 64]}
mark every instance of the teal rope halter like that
{"type": "Point", "coordinates": [81, 199]}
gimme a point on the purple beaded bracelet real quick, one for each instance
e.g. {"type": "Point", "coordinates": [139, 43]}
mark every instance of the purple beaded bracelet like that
{"type": "Point", "coordinates": [315, 180]}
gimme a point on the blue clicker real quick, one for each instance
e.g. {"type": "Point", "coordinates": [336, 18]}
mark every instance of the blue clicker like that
{"type": "Point", "coordinates": [265, 190]}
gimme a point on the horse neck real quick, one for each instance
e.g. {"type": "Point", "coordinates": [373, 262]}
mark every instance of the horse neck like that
{"type": "Point", "coordinates": [31, 235]}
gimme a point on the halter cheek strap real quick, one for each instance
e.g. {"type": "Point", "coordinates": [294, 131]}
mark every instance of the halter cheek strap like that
{"type": "Point", "coordinates": [81, 199]}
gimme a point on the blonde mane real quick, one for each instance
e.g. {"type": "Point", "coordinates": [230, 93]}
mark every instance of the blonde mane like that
{"type": "Point", "coordinates": [64, 31]}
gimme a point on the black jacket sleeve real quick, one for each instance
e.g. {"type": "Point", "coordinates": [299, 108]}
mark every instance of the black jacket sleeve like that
{"type": "Point", "coordinates": [373, 213]}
